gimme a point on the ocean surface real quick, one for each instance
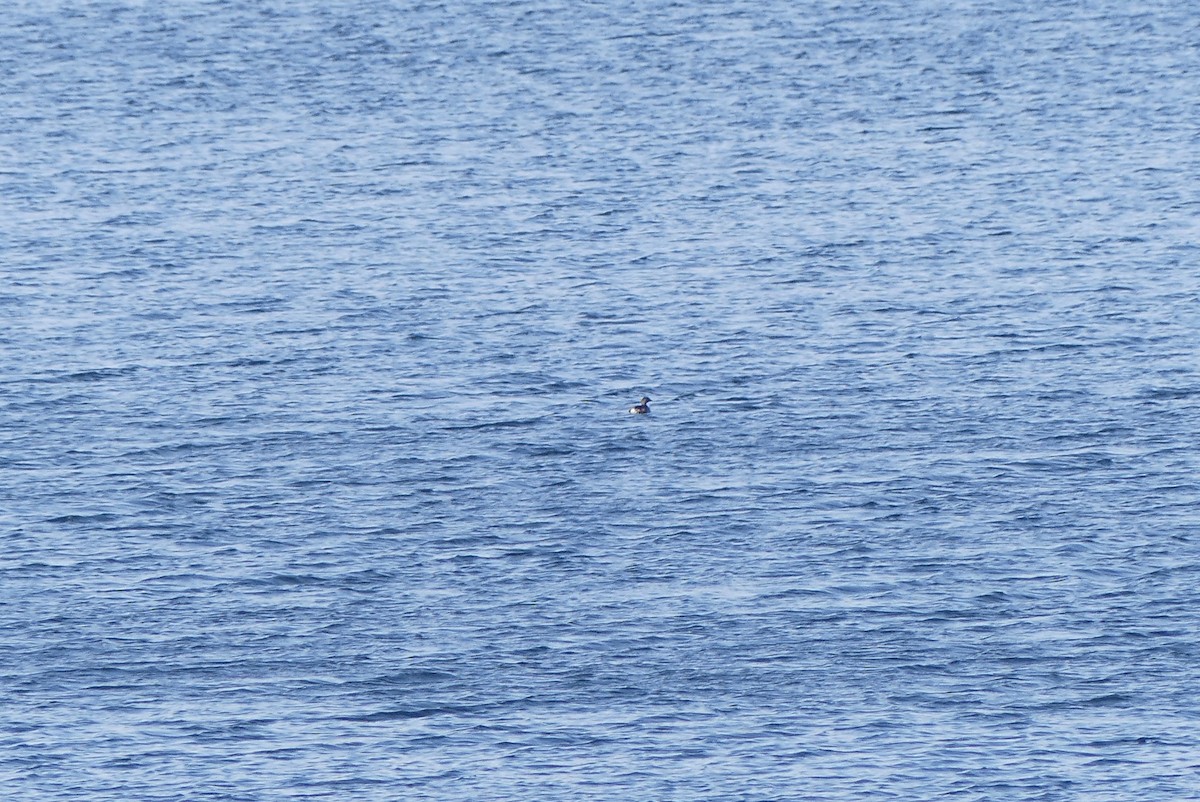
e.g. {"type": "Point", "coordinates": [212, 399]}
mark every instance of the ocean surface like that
{"type": "Point", "coordinates": [319, 325]}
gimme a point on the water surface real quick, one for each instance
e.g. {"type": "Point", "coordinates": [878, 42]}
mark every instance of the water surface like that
{"type": "Point", "coordinates": [322, 321]}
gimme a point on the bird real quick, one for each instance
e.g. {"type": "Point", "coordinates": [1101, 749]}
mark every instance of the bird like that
{"type": "Point", "coordinates": [641, 408]}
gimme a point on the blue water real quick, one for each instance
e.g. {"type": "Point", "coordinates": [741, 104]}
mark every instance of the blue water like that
{"type": "Point", "coordinates": [320, 326]}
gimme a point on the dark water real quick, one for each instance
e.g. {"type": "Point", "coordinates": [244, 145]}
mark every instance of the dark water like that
{"type": "Point", "coordinates": [321, 321]}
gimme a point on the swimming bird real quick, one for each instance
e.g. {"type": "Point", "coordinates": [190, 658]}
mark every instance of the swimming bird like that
{"type": "Point", "coordinates": [641, 408]}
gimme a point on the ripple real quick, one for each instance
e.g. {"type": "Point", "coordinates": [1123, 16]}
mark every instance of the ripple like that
{"type": "Point", "coordinates": [323, 326]}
